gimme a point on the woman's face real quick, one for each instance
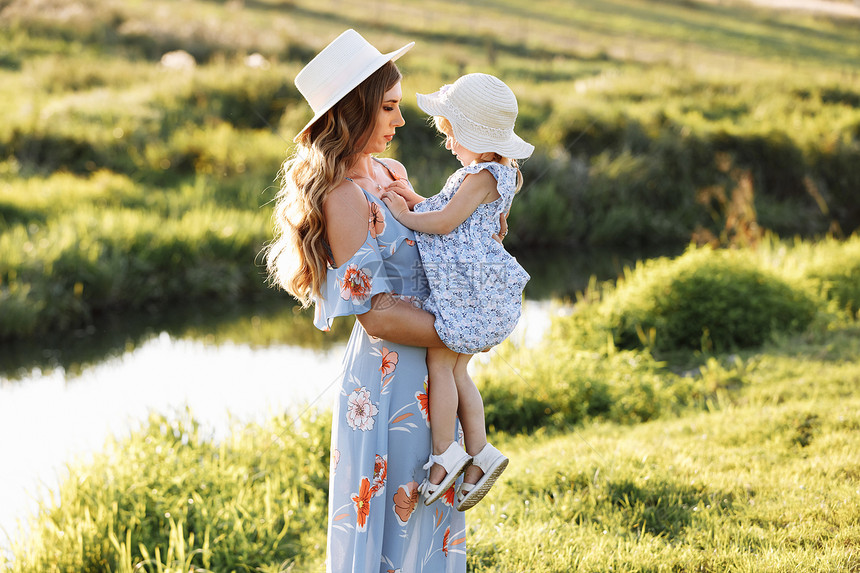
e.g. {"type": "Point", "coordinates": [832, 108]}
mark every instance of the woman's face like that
{"type": "Point", "coordinates": [387, 120]}
{"type": "Point", "coordinates": [465, 156]}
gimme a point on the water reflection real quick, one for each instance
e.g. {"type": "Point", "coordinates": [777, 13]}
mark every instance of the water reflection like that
{"type": "Point", "coordinates": [273, 321]}
{"type": "Point", "coordinates": [47, 419]}
{"type": "Point", "coordinates": [556, 274]}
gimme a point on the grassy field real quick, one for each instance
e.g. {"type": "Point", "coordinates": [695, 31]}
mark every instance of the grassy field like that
{"type": "Point", "coordinates": [624, 457]}
{"type": "Point", "coordinates": [766, 479]}
{"type": "Point", "coordinates": [128, 185]}
{"type": "Point", "coordinates": [637, 443]}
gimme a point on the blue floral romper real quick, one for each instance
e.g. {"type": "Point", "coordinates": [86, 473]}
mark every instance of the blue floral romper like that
{"type": "Point", "coordinates": [381, 431]}
{"type": "Point", "coordinates": [476, 287]}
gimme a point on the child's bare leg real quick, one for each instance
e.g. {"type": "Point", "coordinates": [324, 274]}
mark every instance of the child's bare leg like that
{"type": "Point", "coordinates": [471, 414]}
{"type": "Point", "coordinates": [443, 403]}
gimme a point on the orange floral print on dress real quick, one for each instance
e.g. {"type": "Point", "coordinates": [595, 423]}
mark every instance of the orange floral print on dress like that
{"type": "Point", "coordinates": [448, 497]}
{"type": "Point", "coordinates": [405, 500]}
{"type": "Point", "coordinates": [445, 541]}
{"type": "Point", "coordinates": [380, 472]}
{"type": "Point", "coordinates": [389, 361]}
{"type": "Point", "coordinates": [377, 220]}
{"type": "Point", "coordinates": [424, 403]}
{"type": "Point", "coordinates": [362, 504]}
{"type": "Point", "coordinates": [356, 284]}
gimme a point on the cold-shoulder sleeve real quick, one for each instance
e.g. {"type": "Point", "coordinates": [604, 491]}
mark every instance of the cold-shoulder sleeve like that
{"type": "Point", "coordinates": [348, 289]}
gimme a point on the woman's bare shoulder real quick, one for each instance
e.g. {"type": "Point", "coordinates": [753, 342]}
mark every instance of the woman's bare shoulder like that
{"type": "Point", "coordinates": [346, 212]}
{"type": "Point", "coordinates": [345, 203]}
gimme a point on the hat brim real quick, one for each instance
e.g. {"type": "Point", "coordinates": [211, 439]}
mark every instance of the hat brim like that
{"type": "Point", "coordinates": [353, 83]}
{"type": "Point", "coordinates": [513, 147]}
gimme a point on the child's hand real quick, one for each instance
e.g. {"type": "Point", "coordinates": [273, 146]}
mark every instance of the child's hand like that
{"type": "Point", "coordinates": [503, 227]}
{"type": "Point", "coordinates": [395, 203]}
{"type": "Point", "coordinates": [401, 187]}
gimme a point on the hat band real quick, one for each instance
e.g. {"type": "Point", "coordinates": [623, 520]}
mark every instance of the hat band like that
{"type": "Point", "coordinates": [500, 134]}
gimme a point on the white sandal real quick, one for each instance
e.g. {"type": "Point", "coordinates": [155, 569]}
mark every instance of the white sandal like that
{"type": "Point", "coordinates": [454, 460]}
{"type": "Point", "coordinates": [493, 463]}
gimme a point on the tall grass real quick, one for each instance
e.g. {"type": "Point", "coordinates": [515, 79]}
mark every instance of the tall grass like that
{"type": "Point", "coordinates": [170, 498]}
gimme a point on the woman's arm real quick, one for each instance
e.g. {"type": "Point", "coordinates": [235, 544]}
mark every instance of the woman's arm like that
{"type": "Point", "coordinates": [389, 318]}
{"type": "Point", "coordinates": [396, 320]}
{"type": "Point", "coordinates": [472, 192]}
{"type": "Point", "coordinates": [346, 213]}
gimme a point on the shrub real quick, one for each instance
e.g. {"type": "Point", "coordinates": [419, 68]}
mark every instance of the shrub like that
{"type": "Point", "coordinates": [100, 259]}
{"type": "Point", "coordinates": [704, 299]}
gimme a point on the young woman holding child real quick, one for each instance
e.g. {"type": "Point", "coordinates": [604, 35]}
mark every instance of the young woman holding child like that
{"type": "Point", "coordinates": [338, 246]}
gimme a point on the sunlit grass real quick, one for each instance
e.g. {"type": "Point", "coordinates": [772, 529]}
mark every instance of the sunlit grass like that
{"type": "Point", "coordinates": [634, 108]}
{"type": "Point", "coordinates": [764, 477]}
{"type": "Point", "coordinates": [169, 497]}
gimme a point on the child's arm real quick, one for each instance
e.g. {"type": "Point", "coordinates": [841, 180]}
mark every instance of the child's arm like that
{"type": "Point", "coordinates": [472, 192]}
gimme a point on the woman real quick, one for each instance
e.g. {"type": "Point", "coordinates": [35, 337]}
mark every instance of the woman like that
{"type": "Point", "coordinates": [338, 246]}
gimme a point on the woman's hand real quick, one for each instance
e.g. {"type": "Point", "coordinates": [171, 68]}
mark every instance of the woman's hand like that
{"type": "Point", "coordinates": [396, 204]}
{"type": "Point", "coordinates": [503, 227]}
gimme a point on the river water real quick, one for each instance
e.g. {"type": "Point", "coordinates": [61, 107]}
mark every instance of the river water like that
{"type": "Point", "coordinates": [61, 398]}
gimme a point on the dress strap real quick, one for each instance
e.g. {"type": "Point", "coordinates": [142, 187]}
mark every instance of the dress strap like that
{"type": "Point", "coordinates": [394, 175]}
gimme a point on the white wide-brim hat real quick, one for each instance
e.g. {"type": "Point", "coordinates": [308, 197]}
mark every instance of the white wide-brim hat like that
{"type": "Point", "coordinates": [346, 62]}
{"type": "Point", "coordinates": [482, 111]}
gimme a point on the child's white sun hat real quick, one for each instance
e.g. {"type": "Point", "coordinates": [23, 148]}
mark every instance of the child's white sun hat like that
{"type": "Point", "coordinates": [346, 62]}
{"type": "Point", "coordinates": [482, 111]}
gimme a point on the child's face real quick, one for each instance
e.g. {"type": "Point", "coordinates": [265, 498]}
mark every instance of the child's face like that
{"type": "Point", "coordinates": [465, 156]}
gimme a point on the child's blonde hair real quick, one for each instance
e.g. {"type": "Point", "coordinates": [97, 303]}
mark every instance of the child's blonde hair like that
{"type": "Point", "coordinates": [444, 127]}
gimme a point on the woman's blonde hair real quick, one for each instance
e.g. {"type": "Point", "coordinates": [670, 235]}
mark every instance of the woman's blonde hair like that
{"type": "Point", "coordinates": [297, 257]}
{"type": "Point", "coordinates": [444, 127]}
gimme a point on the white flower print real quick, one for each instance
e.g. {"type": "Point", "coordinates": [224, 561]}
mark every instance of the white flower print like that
{"type": "Point", "coordinates": [360, 410]}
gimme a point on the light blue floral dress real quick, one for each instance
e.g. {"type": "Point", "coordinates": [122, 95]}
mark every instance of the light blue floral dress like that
{"type": "Point", "coordinates": [381, 430]}
{"type": "Point", "coordinates": [476, 287]}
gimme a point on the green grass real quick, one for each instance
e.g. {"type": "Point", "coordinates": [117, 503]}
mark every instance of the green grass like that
{"type": "Point", "coordinates": [644, 114]}
{"type": "Point", "coordinates": [624, 354]}
{"type": "Point", "coordinates": [169, 497]}
{"type": "Point", "coordinates": [764, 478]}
{"type": "Point", "coordinates": [705, 460]}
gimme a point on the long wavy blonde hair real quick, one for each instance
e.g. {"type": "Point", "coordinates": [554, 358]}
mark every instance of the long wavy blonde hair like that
{"type": "Point", "coordinates": [297, 257]}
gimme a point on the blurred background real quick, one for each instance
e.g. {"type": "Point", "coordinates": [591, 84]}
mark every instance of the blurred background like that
{"type": "Point", "coordinates": [140, 143]}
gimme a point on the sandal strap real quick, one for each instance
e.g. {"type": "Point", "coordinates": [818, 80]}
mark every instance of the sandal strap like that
{"type": "Point", "coordinates": [426, 488]}
{"type": "Point", "coordinates": [463, 491]}
{"type": "Point", "coordinates": [486, 457]}
{"type": "Point", "coordinates": [449, 459]}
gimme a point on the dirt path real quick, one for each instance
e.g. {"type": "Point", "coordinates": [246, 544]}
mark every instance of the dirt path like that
{"type": "Point", "coordinates": [829, 8]}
